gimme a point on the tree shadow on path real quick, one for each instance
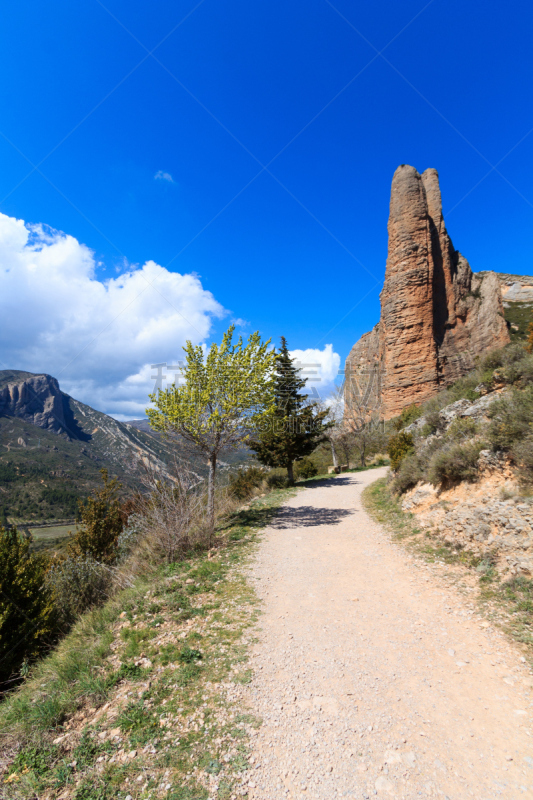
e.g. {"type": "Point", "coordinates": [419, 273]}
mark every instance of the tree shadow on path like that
{"type": "Point", "coordinates": [308, 517]}
{"type": "Point", "coordinates": [328, 483]}
{"type": "Point", "coordinates": [287, 517]}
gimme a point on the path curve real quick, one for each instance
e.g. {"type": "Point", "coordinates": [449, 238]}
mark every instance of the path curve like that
{"type": "Point", "coordinates": [372, 675]}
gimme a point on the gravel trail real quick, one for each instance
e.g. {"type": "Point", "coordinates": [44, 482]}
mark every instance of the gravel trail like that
{"type": "Point", "coordinates": [373, 675]}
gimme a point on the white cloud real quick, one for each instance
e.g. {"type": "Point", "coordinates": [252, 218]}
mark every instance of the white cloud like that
{"type": "Point", "coordinates": [163, 176]}
{"type": "Point", "coordinates": [98, 338]}
{"type": "Point", "coordinates": [320, 367]}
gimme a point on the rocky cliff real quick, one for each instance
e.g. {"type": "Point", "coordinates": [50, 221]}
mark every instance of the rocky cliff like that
{"type": "Point", "coordinates": [47, 434]}
{"type": "Point", "coordinates": [436, 314]}
{"type": "Point", "coordinates": [39, 400]}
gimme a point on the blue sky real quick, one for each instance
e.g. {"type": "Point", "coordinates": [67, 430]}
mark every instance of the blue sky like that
{"type": "Point", "coordinates": [280, 125]}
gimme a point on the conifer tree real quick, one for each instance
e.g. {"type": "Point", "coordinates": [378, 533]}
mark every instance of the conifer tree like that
{"type": "Point", "coordinates": [295, 427]}
{"type": "Point", "coordinates": [101, 523]}
{"type": "Point", "coordinates": [28, 617]}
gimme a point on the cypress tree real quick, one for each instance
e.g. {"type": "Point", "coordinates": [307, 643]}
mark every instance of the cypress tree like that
{"type": "Point", "coordinates": [28, 616]}
{"type": "Point", "coordinates": [296, 426]}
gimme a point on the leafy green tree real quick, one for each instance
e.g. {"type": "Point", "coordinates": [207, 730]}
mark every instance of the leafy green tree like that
{"type": "Point", "coordinates": [223, 397]}
{"type": "Point", "coordinates": [295, 426]}
{"type": "Point", "coordinates": [101, 524]}
{"type": "Point", "coordinates": [28, 617]}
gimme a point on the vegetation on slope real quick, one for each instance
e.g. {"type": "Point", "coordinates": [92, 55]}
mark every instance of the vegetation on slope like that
{"type": "Point", "coordinates": [444, 451]}
{"type": "Point", "coordinates": [507, 603]}
{"type": "Point", "coordinates": [518, 317]}
{"type": "Point", "coordinates": [143, 695]}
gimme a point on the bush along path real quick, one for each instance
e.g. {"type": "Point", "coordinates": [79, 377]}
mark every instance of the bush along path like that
{"type": "Point", "coordinates": [374, 673]}
{"type": "Point", "coordinates": [144, 698]}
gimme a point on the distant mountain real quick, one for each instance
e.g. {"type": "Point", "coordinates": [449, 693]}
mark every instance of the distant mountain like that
{"type": "Point", "coordinates": [141, 425]}
{"type": "Point", "coordinates": [231, 458]}
{"type": "Point", "coordinates": [52, 448]}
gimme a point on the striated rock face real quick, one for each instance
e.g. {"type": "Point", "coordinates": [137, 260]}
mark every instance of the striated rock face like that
{"type": "Point", "coordinates": [436, 315]}
{"type": "Point", "coordinates": [36, 399]}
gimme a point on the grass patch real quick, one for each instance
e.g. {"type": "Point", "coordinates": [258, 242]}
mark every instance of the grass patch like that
{"type": "Point", "coordinates": [386, 508]}
{"type": "Point", "coordinates": [71, 675]}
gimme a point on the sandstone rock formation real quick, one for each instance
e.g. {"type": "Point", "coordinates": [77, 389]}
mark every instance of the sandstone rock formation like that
{"type": "Point", "coordinates": [436, 314]}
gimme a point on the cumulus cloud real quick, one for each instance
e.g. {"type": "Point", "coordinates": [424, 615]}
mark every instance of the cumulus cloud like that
{"type": "Point", "coordinates": [98, 338]}
{"type": "Point", "coordinates": [320, 367]}
{"type": "Point", "coordinates": [163, 176]}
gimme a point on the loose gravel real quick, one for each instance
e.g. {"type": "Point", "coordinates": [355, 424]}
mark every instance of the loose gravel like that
{"type": "Point", "coordinates": [372, 674]}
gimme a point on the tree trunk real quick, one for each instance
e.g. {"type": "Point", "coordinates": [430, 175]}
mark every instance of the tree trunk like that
{"type": "Point", "coordinates": [290, 472]}
{"type": "Point", "coordinates": [334, 455]}
{"type": "Point", "coordinates": [212, 463]}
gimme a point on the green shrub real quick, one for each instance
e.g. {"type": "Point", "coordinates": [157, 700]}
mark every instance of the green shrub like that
{"type": "Point", "coordinates": [277, 481]}
{"type": "Point", "coordinates": [510, 365]}
{"type": "Point", "coordinates": [398, 447]}
{"type": "Point", "coordinates": [511, 419]}
{"type": "Point", "coordinates": [454, 462]}
{"type": "Point", "coordinates": [78, 583]}
{"type": "Point", "coordinates": [245, 481]}
{"type": "Point", "coordinates": [463, 389]}
{"type": "Point", "coordinates": [188, 656]}
{"type": "Point", "coordinates": [28, 616]}
{"type": "Point", "coordinates": [306, 469]}
{"type": "Point", "coordinates": [492, 360]}
{"type": "Point", "coordinates": [101, 524]}
{"type": "Point", "coordinates": [408, 415]}
{"type": "Point", "coordinates": [409, 473]}
{"type": "Point", "coordinates": [433, 423]}
{"type": "Point", "coordinates": [461, 429]}
{"type": "Point", "coordinates": [522, 454]}
{"type": "Point", "coordinates": [380, 460]}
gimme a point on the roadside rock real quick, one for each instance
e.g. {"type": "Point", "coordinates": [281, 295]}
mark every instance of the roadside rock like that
{"type": "Point", "coordinates": [476, 410]}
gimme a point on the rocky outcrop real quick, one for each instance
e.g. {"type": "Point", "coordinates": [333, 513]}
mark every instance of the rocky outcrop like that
{"type": "Point", "coordinates": [436, 315]}
{"type": "Point", "coordinates": [514, 288]}
{"type": "Point", "coordinates": [488, 518]}
{"type": "Point", "coordinates": [36, 399]}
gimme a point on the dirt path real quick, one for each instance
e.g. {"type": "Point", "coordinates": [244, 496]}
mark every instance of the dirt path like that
{"type": "Point", "coordinates": [372, 675]}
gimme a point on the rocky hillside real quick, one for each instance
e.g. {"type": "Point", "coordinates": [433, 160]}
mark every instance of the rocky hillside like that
{"type": "Point", "coordinates": [53, 448]}
{"type": "Point", "coordinates": [437, 316]}
{"type": "Point", "coordinates": [465, 468]}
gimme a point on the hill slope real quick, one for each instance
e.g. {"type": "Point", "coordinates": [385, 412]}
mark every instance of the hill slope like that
{"type": "Point", "coordinates": [52, 448]}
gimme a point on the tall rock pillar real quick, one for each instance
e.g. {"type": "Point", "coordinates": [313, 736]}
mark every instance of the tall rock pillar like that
{"type": "Point", "coordinates": [436, 315]}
